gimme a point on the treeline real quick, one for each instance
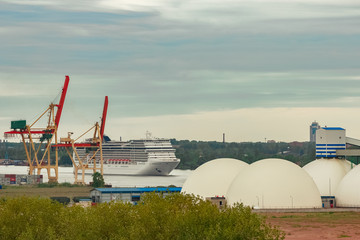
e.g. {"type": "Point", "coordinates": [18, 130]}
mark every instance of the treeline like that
{"type": "Point", "coordinates": [16, 151]}
{"type": "Point", "coordinates": [195, 153]}
{"type": "Point", "coordinates": [175, 216]}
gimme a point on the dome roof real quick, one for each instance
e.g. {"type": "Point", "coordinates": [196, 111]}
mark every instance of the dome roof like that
{"type": "Point", "coordinates": [213, 178]}
{"type": "Point", "coordinates": [274, 183]}
{"type": "Point", "coordinates": [348, 191]}
{"type": "Point", "coordinates": [327, 174]}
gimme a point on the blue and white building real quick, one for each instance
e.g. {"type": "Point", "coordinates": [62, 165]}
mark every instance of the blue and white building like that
{"type": "Point", "coordinates": [313, 128]}
{"type": "Point", "coordinates": [329, 140]}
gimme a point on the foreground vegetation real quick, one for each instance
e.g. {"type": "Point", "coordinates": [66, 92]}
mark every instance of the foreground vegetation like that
{"type": "Point", "coordinates": [176, 216]}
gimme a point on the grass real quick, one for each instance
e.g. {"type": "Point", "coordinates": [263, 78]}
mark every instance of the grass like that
{"type": "Point", "coordinates": [343, 236]}
{"type": "Point", "coordinates": [327, 217]}
{"type": "Point", "coordinates": [51, 185]}
{"type": "Point", "coordinates": [46, 190]}
{"type": "Point", "coordinates": [289, 216]}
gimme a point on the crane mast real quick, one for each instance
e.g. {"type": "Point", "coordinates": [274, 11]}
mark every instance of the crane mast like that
{"type": "Point", "coordinates": [38, 152]}
{"type": "Point", "coordinates": [93, 148]}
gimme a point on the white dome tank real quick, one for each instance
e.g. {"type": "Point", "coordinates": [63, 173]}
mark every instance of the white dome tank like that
{"type": "Point", "coordinates": [327, 173]}
{"type": "Point", "coordinates": [274, 183]}
{"type": "Point", "coordinates": [213, 178]}
{"type": "Point", "coordinates": [348, 191]}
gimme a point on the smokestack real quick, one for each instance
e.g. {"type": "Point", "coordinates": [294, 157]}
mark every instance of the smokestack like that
{"type": "Point", "coordinates": [223, 137]}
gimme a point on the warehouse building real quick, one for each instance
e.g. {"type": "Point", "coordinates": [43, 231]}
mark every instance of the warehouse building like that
{"type": "Point", "coordinates": [133, 195]}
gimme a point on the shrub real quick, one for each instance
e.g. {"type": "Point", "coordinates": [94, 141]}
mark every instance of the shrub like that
{"type": "Point", "coordinates": [176, 216]}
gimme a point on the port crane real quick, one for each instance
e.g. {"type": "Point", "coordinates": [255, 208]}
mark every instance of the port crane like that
{"type": "Point", "coordinates": [37, 156]}
{"type": "Point", "coordinates": [92, 147]}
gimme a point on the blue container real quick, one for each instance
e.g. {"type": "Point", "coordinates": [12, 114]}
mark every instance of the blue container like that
{"type": "Point", "coordinates": [0, 186]}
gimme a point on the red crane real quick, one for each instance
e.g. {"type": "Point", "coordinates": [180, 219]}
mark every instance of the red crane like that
{"type": "Point", "coordinates": [93, 146]}
{"type": "Point", "coordinates": [45, 135]}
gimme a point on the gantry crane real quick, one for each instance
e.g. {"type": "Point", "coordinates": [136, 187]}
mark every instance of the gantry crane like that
{"type": "Point", "coordinates": [93, 146]}
{"type": "Point", "coordinates": [38, 157]}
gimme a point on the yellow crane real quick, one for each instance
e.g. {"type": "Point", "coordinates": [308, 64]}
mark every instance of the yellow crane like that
{"type": "Point", "coordinates": [38, 153]}
{"type": "Point", "coordinates": [92, 147]}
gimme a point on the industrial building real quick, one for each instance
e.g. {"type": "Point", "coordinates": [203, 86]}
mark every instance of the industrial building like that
{"type": "Point", "coordinates": [132, 195]}
{"type": "Point", "coordinates": [337, 179]}
{"type": "Point", "coordinates": [268, 183]}
{"type": "Point", "coordinates": [213, 178]}
{"type": "Point", "coordinates": [328, 181]}
{"type": "Point", "coordinates": [328, 173]}
{"type": "Point", "coordinates": [348, 191]}
{"type": "Point", "coordinates": [329, 140]}
{"type": "Point", "coordinates": [274, 183]}
{"type": "Point", "coordinates": [313, 128]}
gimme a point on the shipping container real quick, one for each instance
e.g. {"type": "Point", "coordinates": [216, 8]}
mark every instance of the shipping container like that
{"type": "Point", "coordinates": [20, 124]}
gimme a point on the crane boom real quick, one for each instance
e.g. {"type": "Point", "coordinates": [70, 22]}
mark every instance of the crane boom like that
{"type": "Point", "coordinates": [103, 119]}
{"type": "Point", "coordinates": [45, 136]}
{"type": "Point", "coordinates": [61, 102]}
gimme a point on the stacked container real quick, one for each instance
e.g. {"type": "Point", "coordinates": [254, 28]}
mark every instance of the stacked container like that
{"type": "Point", "coordinates": [9, 179]}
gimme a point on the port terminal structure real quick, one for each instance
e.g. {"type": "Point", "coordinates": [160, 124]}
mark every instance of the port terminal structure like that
{"type": "Point", "coordinates": [38, 157]}
{"type": "Point", "coordinates": [331, 142]}
{"type": "Point", "coordinates": [44, 139]}
{"type": "Point", "coordinates": [92, 146]}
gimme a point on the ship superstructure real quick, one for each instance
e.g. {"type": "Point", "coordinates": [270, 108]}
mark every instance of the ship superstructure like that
{"type": "Point", "coordinates": [150, 156]}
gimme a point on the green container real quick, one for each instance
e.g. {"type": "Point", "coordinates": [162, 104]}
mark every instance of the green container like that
{"type": "Point", "coordinates": [45, 136]}
{"type": "Point", "coordinates": [20, 124]}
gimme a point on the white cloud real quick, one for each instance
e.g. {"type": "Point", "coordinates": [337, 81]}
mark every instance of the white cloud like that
{"type": "Point", "coordinates": [212, 11]}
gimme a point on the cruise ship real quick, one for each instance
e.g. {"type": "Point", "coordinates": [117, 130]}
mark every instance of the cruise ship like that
{"type": "Point", "coordinates": [150, 156]}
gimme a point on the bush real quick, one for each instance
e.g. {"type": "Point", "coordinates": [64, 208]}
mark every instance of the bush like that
{"type": "Point", "coordinates": [176, 216]}
{"type": "Point", "coordinates": [62, 200]}
{"type": "Point", "coordinates": [48, 185]}
{"type": "Point", "coordinates": [98, 180]}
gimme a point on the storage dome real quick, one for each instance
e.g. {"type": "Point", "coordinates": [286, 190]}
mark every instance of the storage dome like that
{"type": "Point", "coordinates": [213, 178]}
{"type": "Point", "coordinates": [327, 174]}
{"type": "Point", "coordinates": [274, 183]}
{"type": "Point", "coordinates": [348, 191]}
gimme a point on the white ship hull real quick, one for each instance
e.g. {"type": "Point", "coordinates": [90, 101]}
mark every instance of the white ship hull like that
{"type": "Point", "coordinates": [146, 168]}
{"type": "Point", "coordinates": [137, 157]}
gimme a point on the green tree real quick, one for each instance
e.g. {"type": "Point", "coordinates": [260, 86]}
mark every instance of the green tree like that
{"type": "Point", "coordinates": [175, 216]}
{"type": "Point", "coordinates": [65, 160]}
{"type": "Point", "coordinates": [98, 180]}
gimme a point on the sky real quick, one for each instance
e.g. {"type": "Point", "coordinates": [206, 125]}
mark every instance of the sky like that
{"type": "Point", "coordinates": [255, 70]}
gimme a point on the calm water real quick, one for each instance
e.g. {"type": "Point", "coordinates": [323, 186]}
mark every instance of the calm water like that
{"type": "Point", "coordinates": [176, 177]}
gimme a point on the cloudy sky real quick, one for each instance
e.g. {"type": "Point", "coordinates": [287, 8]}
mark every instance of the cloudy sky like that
{"type": "Point", "coordinates": [184, 69]}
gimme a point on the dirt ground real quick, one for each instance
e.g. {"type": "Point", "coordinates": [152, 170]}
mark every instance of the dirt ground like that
{"type": "Point", "coordinates": [35, 191]}
{"type": "Point", "coordinates": [321, 225]}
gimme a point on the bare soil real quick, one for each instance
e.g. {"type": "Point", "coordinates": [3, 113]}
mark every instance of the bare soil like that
{"type": "Point", "coordinates": [35, 191]}
{"type": "Point", "coordinates": [321, 225]}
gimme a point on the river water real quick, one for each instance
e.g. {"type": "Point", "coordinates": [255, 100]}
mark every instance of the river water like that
{"type": "Point", "coordinates": [176, 177]}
